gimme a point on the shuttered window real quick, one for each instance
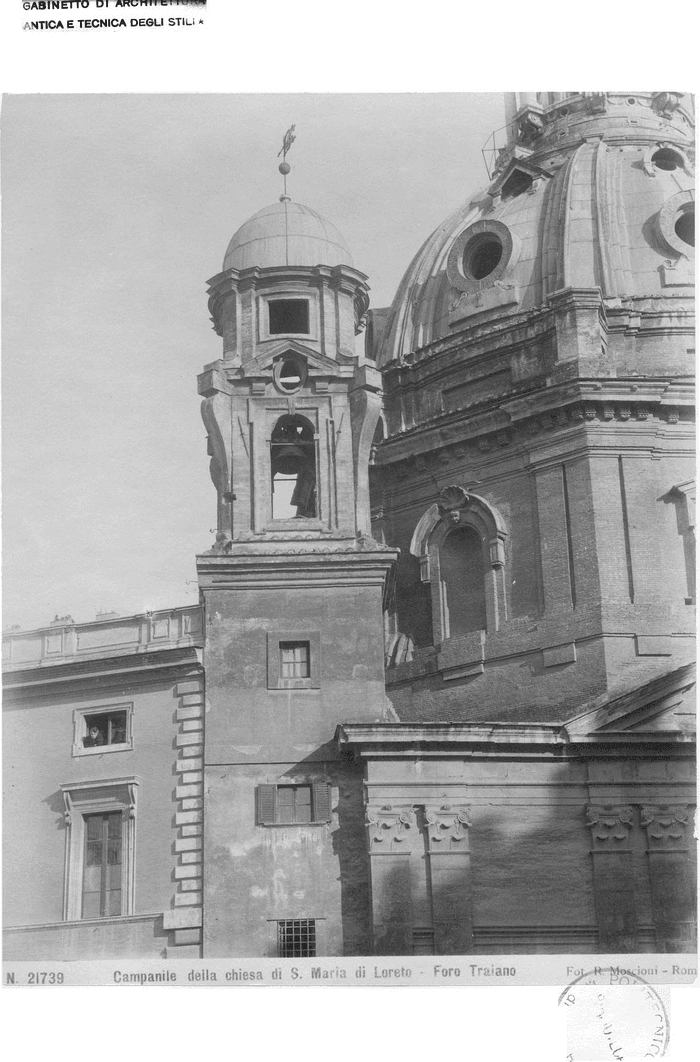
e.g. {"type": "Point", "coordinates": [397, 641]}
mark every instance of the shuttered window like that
{"type": "Point", "coordinates": [290, 805]}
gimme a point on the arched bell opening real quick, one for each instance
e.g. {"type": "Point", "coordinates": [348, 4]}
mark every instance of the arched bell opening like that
{"type": "Point", "coordinates": [293, 468]}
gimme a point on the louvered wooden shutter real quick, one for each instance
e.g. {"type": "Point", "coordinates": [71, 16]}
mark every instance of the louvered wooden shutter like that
{"type": "Point", "coordinates": [322, 802]}
{"type": "Point", "coordinates": [266, 804]}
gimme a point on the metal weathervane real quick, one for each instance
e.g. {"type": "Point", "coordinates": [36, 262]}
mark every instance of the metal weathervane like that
{"type": "Point", "coordinates": [284, 166]}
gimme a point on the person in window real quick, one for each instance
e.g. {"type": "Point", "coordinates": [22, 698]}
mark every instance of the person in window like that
{"type": "Point", "coordinates": [94, 737]}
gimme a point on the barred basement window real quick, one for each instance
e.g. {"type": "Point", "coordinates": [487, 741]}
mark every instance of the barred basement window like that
{"type": "Point", "coordinates": [293, 805]}
{"type": "Point", "coordinates": [296, 938]}
{"type": "Point", "coordinates": [423, 942]}
{"type": "Point", "coordinates": [294, 660]}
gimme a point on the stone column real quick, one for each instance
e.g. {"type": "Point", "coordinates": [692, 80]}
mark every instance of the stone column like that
{"type": "Point", "coordinates": [613, 880]}
{"type": "Point", "coordinates": [390, 829]}
{"type": "Point", "coordinates": [671, 876]}
{"type": "Point", "coordinates": [447, 827]}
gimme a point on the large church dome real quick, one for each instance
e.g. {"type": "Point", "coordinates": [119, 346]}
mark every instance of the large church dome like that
{"type": "Point", "coordinates": [592, 191]}
{"type": "Point", "coordinates": [286, 233]}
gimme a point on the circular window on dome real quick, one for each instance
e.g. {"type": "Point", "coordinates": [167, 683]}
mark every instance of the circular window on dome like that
{"type": "Point", "coordinates": [685, 227]}
{"type": "Point", "coordinates": [676, 223]}
{"type": "Point", "coordinates": [290, 373]}
{"type": "Point", "coordinates": [480, 256]}
{"type": "Point", "coordinates": [667, 159]}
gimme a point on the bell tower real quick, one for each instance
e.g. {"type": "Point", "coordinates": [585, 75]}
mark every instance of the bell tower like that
{"type": "Point", "coordinates": [292, 590]}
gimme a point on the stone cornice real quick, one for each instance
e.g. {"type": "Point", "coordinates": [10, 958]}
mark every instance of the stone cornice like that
{"type": "Point", "coordinates": [446, 437]}
{"type": "Point", "coordinates": [104, 673]}
{"type": "Point", "coordinates": [512, 741]}
{"type": "Point", "coordinates": [280, 566]}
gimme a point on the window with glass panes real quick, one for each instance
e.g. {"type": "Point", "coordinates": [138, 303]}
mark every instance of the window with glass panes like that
{"type": "Point", "coordinates": [102, 865]}
{"type": "Point", "coordinates": [105, 728]}
{"type": "Point", "coordinates": [294, 660]}
{"type": "Point", "coordinates": [294, 803]}
{"type": "Point", "coordinates": [296, 938]}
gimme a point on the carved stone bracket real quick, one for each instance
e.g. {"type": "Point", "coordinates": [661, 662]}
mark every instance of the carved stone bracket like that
{"type": "Point", "coordinates": [388, 824]}
{"type": "Point", "coordinates": [667, 103]}
{"type": "Point", "coordinates": [530, 123]}
{"type": "Point", "coordinates": [447, 827]}
{"type": "Point", "coordinates": [451, 501]}
{"type": "Point", "coordinates": [609, 823]}
{"type": "Point", "coordinates": [665, 825]}
{"type": "Point", "coordinates": [453, 505]}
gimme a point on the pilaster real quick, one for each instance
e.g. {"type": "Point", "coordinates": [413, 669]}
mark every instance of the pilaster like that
{"type": "Point", "coordinates": [613, 878]}
{"type": "Point", "coordinates": [671, 876]}
{"type": "Point", "coordinates": [447, 833]}
{"type": "Point", "coordinates": [390, 831]}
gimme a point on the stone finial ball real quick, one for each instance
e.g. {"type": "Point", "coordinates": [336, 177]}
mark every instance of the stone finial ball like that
{"type": "Point", "coordinates": [285, 168]}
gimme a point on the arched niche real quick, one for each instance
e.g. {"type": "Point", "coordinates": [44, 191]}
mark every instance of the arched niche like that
{"type": "Point", "coordinates": [460, 543]}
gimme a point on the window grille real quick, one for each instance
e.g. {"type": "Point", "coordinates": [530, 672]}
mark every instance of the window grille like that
{"type": "Point", "coordinates": [294, 660]}
{"type": "Point", "coordinates": [296, 938]}
{"type": "Point", "coordinates": [423, 942]}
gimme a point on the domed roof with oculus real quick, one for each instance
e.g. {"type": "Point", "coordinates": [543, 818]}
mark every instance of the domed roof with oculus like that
{"type": "Point", "coordinates": [286, 233]}
{"type": "Point", "coordinates": [592, 190]}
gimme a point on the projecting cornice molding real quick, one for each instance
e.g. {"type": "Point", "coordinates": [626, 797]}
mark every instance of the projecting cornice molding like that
{"type": "Point", "coordinates": [503, 740]}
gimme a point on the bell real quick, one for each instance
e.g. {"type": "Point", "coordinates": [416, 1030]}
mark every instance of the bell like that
{"type": "Point", "coordinates": [288, 460]}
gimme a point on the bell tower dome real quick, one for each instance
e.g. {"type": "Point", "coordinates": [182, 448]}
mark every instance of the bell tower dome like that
{"type": "Point", "coordinates": [292, 587]}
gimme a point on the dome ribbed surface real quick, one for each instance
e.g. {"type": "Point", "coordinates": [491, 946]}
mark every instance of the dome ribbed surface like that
{"type": "Point", "coordinates": [590, 222]}
{"type": "Point", "coordinates": [286, 233]}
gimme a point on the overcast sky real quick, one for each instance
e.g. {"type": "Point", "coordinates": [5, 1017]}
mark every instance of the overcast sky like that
{"type": "Point", "coordinates": [117, 209]}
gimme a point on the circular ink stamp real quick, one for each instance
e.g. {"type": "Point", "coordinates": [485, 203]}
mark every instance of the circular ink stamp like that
{"type": "Point", "coordinates": [613, 1013]}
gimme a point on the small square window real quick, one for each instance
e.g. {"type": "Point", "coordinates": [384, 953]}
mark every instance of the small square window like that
{"type": "Point", "coordinates": [294, 660]}
{"type": "Point", "coordinates": [289, 316]}
{"type": "Point", "coordinates": [296, 938]}
{"type": "Point", "coordinates": [105, 728]}
{"type": "Point", "coordinates": [102, 730]}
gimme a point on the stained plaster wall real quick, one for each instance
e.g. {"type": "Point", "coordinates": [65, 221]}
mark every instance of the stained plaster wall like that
{"type": "Point", "coordinates": [256, 874]}
{"type": "Point", "coordinates": [34, 823]}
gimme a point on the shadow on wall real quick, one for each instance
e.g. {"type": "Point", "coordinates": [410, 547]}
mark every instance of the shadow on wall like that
{"type": "Point", "coordinates": [349, 840]}
{"type": "Point", "coordinates": [536, 881]}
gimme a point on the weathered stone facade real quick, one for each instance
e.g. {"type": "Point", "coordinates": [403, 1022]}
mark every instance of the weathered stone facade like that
{"type": "Point", "coordinates": [442, 696]}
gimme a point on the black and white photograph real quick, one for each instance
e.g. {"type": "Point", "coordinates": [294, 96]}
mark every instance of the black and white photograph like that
{"type": "Point", "coordinates": [349, 533]}
{"type": "Point", "coordinates": [390, 651]}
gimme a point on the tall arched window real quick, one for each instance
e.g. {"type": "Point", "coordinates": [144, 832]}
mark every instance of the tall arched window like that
{"type": "Point", "coordinates": [460, 544]}
{"type": "Point", "coordinates": [462, 577]}
{"type": "Point", "coordinates": [293, 468]}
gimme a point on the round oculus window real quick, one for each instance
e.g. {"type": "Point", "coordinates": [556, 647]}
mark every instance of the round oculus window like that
{"type": "Point", "coordinates": [290, 373]}
{"type": "Point", "coordinates": [482, 255]}
{"type": "Point", "coordinates": [667, 159]}
{"type": "Point", "coordinates": [685, 227]}
{"type": "Point", "coordinates": [675, 223]}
